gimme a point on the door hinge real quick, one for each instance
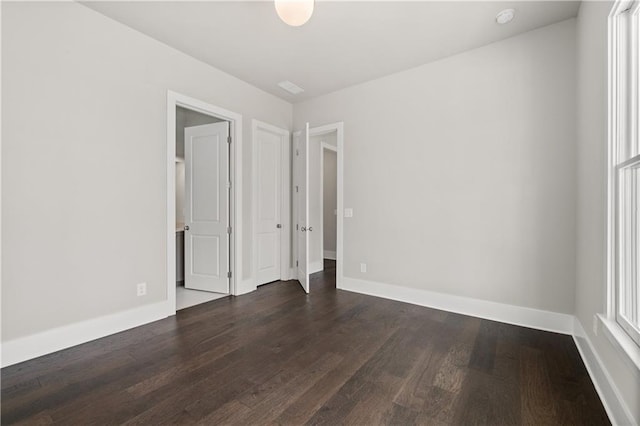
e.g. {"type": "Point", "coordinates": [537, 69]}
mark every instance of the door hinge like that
{"type": "Point", "coordinates": [229, 274]}
{"type": "Point", "coordinates": [296, 188]}
{"type": "Point", "coordinates": [296, 263]}
{"type": "Point", "coordinates": [296, 226]}
{"type": "Point", "coordinates": [297, 152]}
{"type": "Point", "coordinates": [229, 139]}
{"type": "Point", "coordinates": [228, 229]}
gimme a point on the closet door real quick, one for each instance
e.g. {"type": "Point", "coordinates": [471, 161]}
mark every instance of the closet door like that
{"type": "Point", "coordinates": [206, 237]}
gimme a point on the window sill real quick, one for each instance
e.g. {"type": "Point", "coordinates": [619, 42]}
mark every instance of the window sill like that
{"type": "Point", "coordinates": [620, 340]}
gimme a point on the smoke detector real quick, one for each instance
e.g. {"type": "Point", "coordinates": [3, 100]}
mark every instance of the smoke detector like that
{"type": "Point", "coordinates": [505, 16]}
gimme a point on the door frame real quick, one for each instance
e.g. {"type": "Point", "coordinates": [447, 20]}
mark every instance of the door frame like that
{"type": "Point", "coordinates": [325, 147]}
{"type": "Point", "coordinates": [318, 131]}
{"type": "Point", "coordinates": [286, 270]}
{"type": "Point", "coordinates": [174, 100]}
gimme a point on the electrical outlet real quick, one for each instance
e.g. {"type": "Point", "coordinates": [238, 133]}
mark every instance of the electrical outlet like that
{"type": "Point", "coordinates": [595, 325]}
{"type": "Point", "coordinates": [363, 267]}
{"type": "Point", "coordinates": [141, 289]}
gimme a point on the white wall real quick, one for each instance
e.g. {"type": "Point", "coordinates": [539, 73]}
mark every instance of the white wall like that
{"type": "Point", "coordinates": [330, 198]}
{"type": "Point", "coordinates": [473, 158]}
{"type": "Point", "coordinates": [315, 197]}
{"type": "Point", "coordinates": [591, 287]}
{"type": "Point", "coordinates": [82, 222]}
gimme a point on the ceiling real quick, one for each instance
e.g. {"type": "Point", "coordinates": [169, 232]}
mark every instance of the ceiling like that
{"type": "Point", "coordinates": [344, 43]}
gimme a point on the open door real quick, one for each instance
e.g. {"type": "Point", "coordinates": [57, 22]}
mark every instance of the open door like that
{"type": "Point", "coordinates": [206, 236]}
{"type": "Point", "coordinates": [301, 159]}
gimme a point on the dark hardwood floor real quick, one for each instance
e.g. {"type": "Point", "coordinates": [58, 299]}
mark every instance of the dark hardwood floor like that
{"type": "Point", "coordinates": [278, 356]}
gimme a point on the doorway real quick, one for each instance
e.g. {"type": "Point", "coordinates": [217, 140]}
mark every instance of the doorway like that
{"type": "Point", "coordinates": [203, 208]}
{"type": "Point", "coordinates": [328, 202]}
{"type": "Point", "coordinates": [309, 202]}
{"type": "Point", "coordinates": [323, 198]}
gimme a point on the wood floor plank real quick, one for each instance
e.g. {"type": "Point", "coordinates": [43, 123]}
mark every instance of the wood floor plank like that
{"type": "Point", "coordinates": [537, 398]}
{"type": "Point", "coordinates": [279, 356]}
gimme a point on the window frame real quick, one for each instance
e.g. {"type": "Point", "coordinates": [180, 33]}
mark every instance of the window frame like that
{"type": "Point", "coordinates": [623, 155]}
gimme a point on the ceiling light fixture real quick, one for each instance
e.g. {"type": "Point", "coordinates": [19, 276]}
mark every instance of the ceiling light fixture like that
{"type": "Point", "coordinates": [294, 12]}
{"type": "Point", "coordinates": [505, 16]}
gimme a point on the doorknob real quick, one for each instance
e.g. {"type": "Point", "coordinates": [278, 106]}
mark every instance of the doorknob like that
{"type": "Point", "coordinates": [310, 229]}
{"type": "Point", "coordinates": [303, 229]}
{"type": "Point", "coordinates": [278, 226]}
{"type": "Point", "coordinates": [186, 227]}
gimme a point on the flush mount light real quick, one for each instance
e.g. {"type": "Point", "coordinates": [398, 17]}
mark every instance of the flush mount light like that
{"type": "Point", "coordinates": [505, 16]}
{"type": "Point", "coordinates": [294, 12]}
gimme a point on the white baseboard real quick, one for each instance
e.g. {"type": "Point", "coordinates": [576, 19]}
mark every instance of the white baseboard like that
{"type": "Point", "coordinates": [29, 347]}
{"type": "Point", "coordinates": [329, 254]}
{"type": "Point", "coordinates": [288, 274]}
{"type": "Point", "coordinates": [245, 286]}
{"type": "Point", "coordinates": [316, 266]}
{"type": "Point", "coordinates": [510, 314]}
{"type": "Point", "coordinates": [618, 412]}
{"type": "Point", "coordinates": [46, 342]}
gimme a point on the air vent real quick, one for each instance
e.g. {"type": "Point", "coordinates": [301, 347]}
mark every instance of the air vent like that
{"type": "Point", "coordinates": [290, 87]}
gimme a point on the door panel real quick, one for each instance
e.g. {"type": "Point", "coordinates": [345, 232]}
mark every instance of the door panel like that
{"type": "Point", "coordinates": [269, 198]}
{"type": "Point", "coordinates": [301, 161]}
{"type": "Point", "coordinates": [207, 207]}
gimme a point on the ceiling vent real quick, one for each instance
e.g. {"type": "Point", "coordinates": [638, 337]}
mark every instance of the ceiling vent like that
{"type": "Point", "coordinates": [290, 87]}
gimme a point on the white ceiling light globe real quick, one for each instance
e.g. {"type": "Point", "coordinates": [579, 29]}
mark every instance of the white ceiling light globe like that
{"type": "Point", "coordinates": [294, 12]}
{"type": "Point", "coordinates": [505, 16]}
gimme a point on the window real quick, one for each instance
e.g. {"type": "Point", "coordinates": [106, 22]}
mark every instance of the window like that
{"type": "Point", "coordinates": [624, 156]}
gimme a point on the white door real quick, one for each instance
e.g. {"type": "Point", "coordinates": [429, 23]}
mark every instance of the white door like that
{"type": "Point", "coordinates": [302, 200]}
{"type": "Point", "coordinates": [206, 237]}
{"type": "Point", "coordinates": [269, 200]}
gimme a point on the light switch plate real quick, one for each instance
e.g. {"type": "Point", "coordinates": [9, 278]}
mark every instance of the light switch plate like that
{"type": "Point", "coordinates": [348, 212]}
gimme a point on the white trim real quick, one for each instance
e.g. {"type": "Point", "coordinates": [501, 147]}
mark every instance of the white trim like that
{"type": "Point", "coordinates": [613, 131]}
{"type": "Point", "coordinates": [329, 254]}
{"type": "Point", "coordinates": [46, 342]}
{"type": "Point", "coordinates": [324, 146]}
{"type": "Point", "coordinates": [294, 206]}
{"type": "Point", "coordinates": [245, 286]}
{"type": "Point", "coordinates": [339, 129]}
{"type": "Point", "coordinates": [618, 412]}
{"type": "Point", "coordinates": [621, 341]}
{"type": "Point", "coordinates": [611, 398]}
{"type": "Point", "coordinates": [285, 198]}
{"type": "Point", "coordinates": [329, 147]}
{"type": "Point", "coordinates": [235, 122]}
{"type": "Point", "coordinates": [617, 110]}
{"type": "Point", "coordinates": [510, 314]}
